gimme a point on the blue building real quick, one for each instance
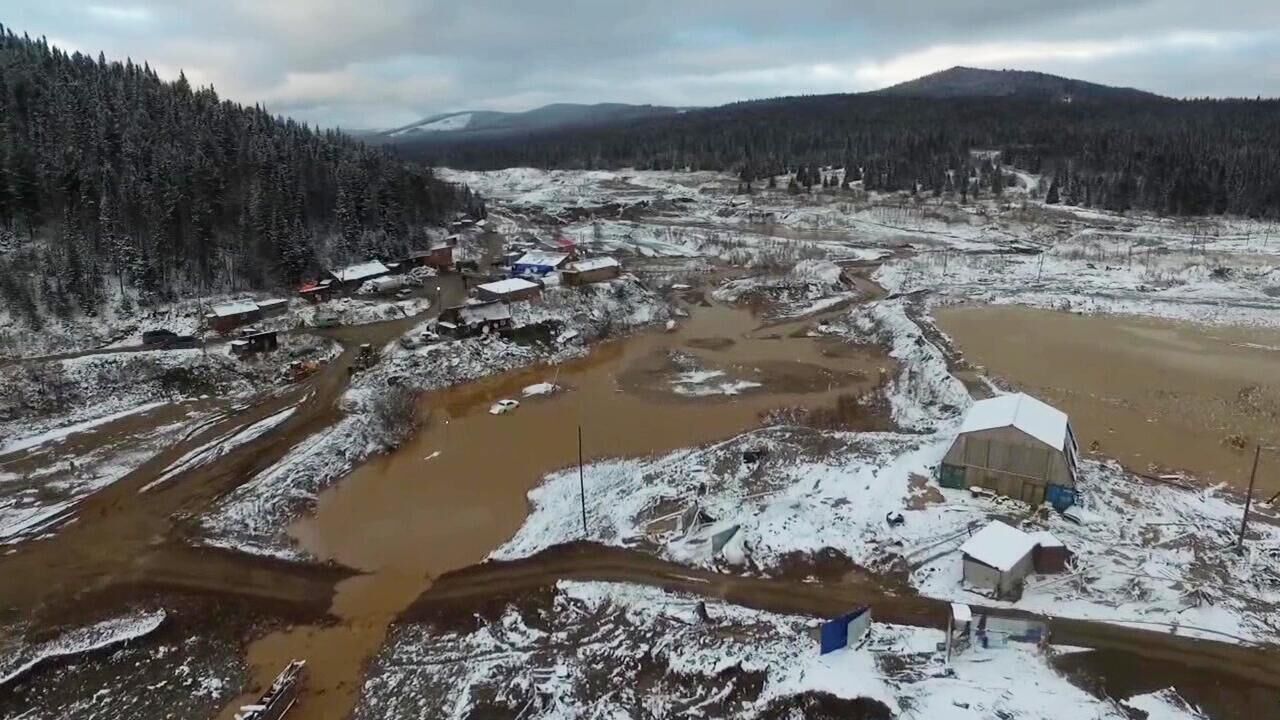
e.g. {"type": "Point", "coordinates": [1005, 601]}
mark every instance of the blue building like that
{"type": "Point", "coordinates": [538, 262]}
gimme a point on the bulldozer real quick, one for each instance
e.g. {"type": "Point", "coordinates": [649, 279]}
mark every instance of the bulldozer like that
{"type": "Point", "coordinates": [366, 358]}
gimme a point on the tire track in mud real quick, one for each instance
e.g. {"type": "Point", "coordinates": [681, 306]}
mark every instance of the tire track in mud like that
{"type": "Point", "coordinates": [498, 581]}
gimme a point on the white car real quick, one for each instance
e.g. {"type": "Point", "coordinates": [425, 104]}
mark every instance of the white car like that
{"type": "Point", "coordinates": [502, 407]}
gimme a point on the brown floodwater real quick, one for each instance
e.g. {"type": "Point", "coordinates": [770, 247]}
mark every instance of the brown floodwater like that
{"type": "Point", "coordinates": [1154, 394]}
{"type": "Point", "coordinates": [457, 490]}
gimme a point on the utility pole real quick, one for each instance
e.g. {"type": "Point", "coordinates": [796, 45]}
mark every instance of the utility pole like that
{"type": "Point", "coordinates": [582, 485]}
{"type": "Point", "coordinates": [1248, 500]}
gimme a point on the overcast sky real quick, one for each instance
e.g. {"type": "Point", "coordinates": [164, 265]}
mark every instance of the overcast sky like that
{"type": "Point", "coordinates": [383, 63]}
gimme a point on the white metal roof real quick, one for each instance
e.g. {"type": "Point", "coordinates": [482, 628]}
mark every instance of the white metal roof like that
{"type": "Point", "coordinates": [999, 546]}
{"type": "Point", "coordinates": [361, 271]}
{"type": "Point", "coordinates": [961, 613]}
{"type": "Point", "coordinates": [539, 257]}
{"type": "Point", "coordinates": [1033, 417]}
{"type": "Point", "coordinates": [597, 263]}
{"type": "Point", "coordinates": [510, 285]}
{"type": "Point", "coordinates": [233, 308]}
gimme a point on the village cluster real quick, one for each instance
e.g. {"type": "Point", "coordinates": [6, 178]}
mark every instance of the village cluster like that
{"type": "Point", "coordinates": [976, 528]}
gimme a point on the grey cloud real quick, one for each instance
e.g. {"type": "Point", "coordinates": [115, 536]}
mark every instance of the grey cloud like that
{"type": "Point", "coordinates": [383, 63]}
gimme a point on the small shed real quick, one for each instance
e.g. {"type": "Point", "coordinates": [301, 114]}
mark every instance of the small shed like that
{"type": "Point", "coordinates": [592, 270]}
{"type": "Point", "coordinates": [1015, 445]}
{"type": "Point", "coordinates": [1050, 555]}
{"type": "Point", "coordinates": [253, 343]}
{"type": "Point", "coordinates": [539, 262]}
{"type": "Point", "coordinates": [509, 290]}
{"type": "Point", "coordinates": [353, 275]}
{"type": "Point", "coordinates": [439, 256]}
{"type": "Point", "coordinates": [317, 292]}
{"type": "Point", "coordinates": [998, 557]}
{"type": "Point", "coordinates": [228, 316]}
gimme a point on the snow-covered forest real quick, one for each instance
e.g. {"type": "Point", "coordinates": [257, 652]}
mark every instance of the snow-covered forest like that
{"type": "Point", "coordinates": [1119, 151]}
{"type": "Point", "coordinates": [118, 186]}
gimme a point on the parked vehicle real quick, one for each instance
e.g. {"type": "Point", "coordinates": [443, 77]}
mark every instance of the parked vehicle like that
{"type": "Point", "coordinates": [502, 407]}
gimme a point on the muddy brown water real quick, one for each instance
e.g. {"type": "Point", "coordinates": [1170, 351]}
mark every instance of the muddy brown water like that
{"type": "Point", "coordinates": [1156, 395]}
{"type": "Point", "coordinates": [457, 490]}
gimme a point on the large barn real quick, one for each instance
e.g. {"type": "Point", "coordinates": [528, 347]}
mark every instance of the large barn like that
{"type": "Point", "coordinates": [1015, 445]}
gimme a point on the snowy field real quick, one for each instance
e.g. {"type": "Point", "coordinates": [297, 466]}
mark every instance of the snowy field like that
{"type": "Point", "coordinates": [42, 481]}
{"type": "Point", "coordinates": [623, 651]}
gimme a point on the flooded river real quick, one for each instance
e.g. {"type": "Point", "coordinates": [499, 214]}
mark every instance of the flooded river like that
{"type": "Point", "coordinates": [458, 489]}
{"type": "Point", "coordinates": [1153, 394]}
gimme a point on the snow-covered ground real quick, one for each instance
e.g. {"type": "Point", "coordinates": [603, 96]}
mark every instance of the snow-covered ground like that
{"type": "Point", "coordinates": [76, 641]}
{"type": "Point", "coordinates": [220, 446]}
{"type": "Point", "coordinates": [622, 651]}
{"type": "Point", "coordinates": [42, 482]}
{"type": "Point", "coordinates": [1151, 555]}
{"type": "Point", "coordinates": [50, 398]}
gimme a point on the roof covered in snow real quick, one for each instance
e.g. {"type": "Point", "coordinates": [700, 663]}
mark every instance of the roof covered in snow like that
{"type": "Point", "coordinates": [510, 285]}
{"type": "Point", "coordinates": [597, 263]}
{"type": "Point", "coordinates": [1033, 417]}
{"type": "Point", "coordinates": [999, 546]}
{"type": "Point", "coordinates": [540, 258]}
{"type": "Point", "coordinates": [485, 312]}
{"type": "Point", "coordinates": [233, 308]}
{"type": "Point", "coordinates": [361, 271]}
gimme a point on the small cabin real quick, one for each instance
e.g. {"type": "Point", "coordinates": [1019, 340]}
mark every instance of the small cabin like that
{"type": "Point", "coordinates": [254, 343]}
{"type": "Point", "coordinates": [229, 316]}
{"type": "Point", "coordinates": [509, 290]}
{"type": "Point", "coordinates": [1000, 557]}
{"type": "Point", "coordinates": [1018, 446]}
{"type": "Point", "coordinates": [438, 256]}
{"type": "Point", "coordinates": [318, 292]}
{"type": "Point", "coordinates": [593, 270]}
{"type": "Point", "coordinates": [353, 276]}
{"type": "Point", "coordinates": [538, 262]}
{"type": "Point", "coordinates": [273, 307]}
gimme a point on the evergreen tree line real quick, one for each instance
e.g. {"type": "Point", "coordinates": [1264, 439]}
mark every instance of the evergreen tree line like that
{"type": "Point", "coordinates": [109, 175]}
{"type": "Point", "coordinates": [1183, 157]}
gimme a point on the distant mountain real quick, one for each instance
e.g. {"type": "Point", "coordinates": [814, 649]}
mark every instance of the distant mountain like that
{"type": "Point", "coordinates": [490, 123]}
{"type": "Point", "coordinates": [960, 82]}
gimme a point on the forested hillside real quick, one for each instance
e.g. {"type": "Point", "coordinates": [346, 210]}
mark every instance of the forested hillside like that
{"type": "Point", "coordinates": [1178, 157]}
{"type": "Point", "coordinates": [116, 183]}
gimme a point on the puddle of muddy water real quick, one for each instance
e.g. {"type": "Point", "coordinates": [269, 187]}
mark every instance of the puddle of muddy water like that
{"type": "Point", "coordinates": [457, 491]}
{"type": "Point", "coordinates": [1148, 392]}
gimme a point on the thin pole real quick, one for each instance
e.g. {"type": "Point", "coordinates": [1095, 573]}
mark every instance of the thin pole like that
{"type": "Point", "coordinates": [582, 484]}
{"type": "Point", "coordinates": [1248, 499]}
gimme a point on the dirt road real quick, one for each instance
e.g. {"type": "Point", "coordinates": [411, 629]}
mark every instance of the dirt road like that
{"type": "Point", "coordinates": [495, 582]}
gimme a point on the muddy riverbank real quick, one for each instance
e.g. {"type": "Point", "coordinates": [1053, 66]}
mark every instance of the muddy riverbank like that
{"type": "Point", "coordinates": [1157, 395]}
{"type": "Point", "coordinates": [458, 490]}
